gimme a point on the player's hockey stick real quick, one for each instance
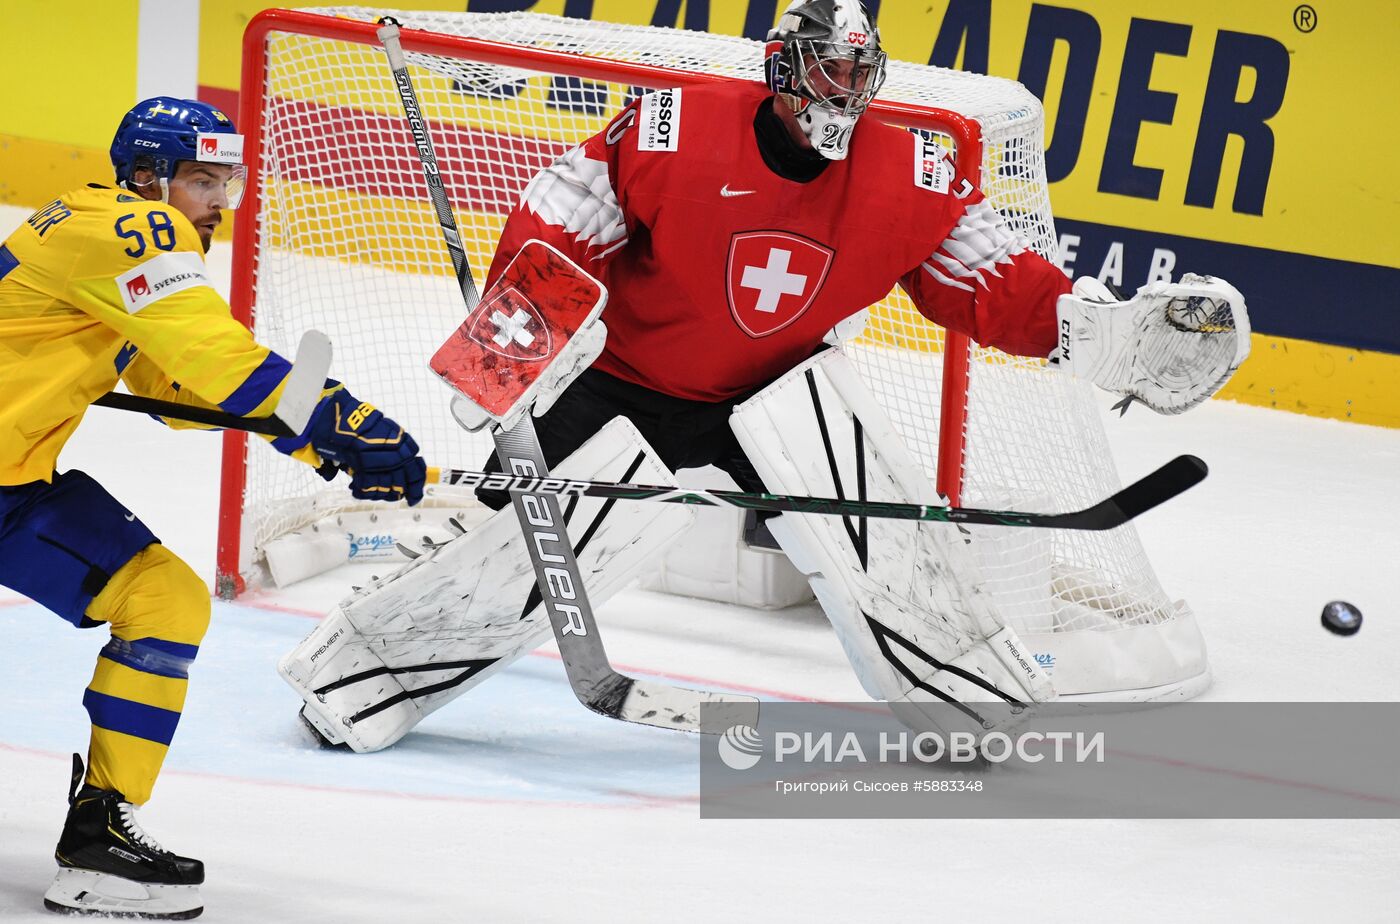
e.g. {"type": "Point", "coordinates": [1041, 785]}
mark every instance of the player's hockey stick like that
{"type": "Point", "coordinates": [121, 401]}
{"type": "Point", "coordinates": [300, 395]}
{"type": "Point", "coordinates": [596, 684]}
{"type": "Point", "coordinates": [1142, 495]}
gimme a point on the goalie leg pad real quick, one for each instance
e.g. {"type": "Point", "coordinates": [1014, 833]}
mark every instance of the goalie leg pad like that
{"type": "Point", "coordinates": [395, 652]}
{"type": "Point", "coordinates": [903, 596]}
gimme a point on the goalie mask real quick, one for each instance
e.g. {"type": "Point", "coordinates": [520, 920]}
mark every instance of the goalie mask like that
{"type": "Point", "coordinates": [824, 59]}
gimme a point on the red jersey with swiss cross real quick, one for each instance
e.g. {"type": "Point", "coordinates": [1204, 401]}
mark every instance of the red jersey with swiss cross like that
{"type": "Point", "coordinates": [722, 275]}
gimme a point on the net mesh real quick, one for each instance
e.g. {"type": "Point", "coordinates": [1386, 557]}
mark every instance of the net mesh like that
{"type": "Point", "coordinates": [348, 244]}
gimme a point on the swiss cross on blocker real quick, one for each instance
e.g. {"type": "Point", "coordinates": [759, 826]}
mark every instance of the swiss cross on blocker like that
{"type": "Point", "coordinates": [512, 328]}
{"type": "Point", "coordinates": [773, 277]}
{"type": "Point", "coordinates": [527, 317]}
{"type": "Point", "coordinates": [508, 324]}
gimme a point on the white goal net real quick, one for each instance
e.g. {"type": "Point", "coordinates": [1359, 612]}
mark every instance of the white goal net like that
{"type": "Point", "coordinates": [342, 237]}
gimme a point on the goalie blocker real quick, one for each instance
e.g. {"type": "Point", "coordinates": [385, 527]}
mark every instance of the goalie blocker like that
{"type": "Point", "coordinates": [509, 356]}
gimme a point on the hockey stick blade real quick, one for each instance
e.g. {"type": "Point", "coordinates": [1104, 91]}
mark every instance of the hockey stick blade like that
{"type": "Point", "coordinates": [302, 391]}
{"type": "Point", "coordinates": [1176, 476]}
{"type": "Point", "coordinates": [663, 706]}
{"type": "Point", "coordinates": [300, 395]}
{"type": "Point", "coordinates": [1142, 495]}
{"type": "Point", "coordinates": [592, 677]}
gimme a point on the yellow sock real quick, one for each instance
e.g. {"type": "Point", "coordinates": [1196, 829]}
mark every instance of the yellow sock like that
{"type": "Point", "coordinates": [159, 611]}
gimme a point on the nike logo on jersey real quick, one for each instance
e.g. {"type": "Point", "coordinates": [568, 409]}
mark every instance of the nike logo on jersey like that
{"type": "Point", "coordinates": [727, 192]}
{"type": "Point", "coordinates": [131, 518]}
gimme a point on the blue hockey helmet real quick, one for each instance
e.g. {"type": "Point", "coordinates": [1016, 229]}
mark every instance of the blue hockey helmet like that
{"type": "Point", "coordinates": [161, 131]}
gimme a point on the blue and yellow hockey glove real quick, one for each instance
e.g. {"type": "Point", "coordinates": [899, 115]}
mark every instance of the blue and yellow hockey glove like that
{"type": "Point", "coordinates": [381, 457]}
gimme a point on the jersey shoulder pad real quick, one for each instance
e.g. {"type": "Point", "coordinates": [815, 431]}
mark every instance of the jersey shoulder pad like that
{"type": "Point", "coordinates": [127, 229]}
{"type": "Point", "coordinates": [145, 248]}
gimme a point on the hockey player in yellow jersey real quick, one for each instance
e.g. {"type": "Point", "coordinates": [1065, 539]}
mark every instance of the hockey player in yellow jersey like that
{"type": "Point", "coordinates": [105, 283]}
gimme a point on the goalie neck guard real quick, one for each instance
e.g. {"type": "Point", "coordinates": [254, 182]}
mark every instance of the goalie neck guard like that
{"type": "Point", "coordinates": [824, 60]}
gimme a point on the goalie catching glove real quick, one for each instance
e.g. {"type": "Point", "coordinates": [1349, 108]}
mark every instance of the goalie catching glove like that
{"type": "Point", "coordinates": [1171, 346]}
{"type": "Point", "coordinates": [355, 437]}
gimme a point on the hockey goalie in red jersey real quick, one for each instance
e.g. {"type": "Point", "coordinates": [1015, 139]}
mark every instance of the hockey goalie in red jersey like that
{"type": "Point", "coordinates": [735, 227]}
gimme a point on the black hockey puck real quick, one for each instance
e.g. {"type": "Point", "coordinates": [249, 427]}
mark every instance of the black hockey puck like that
{"type": "Point", "coordinates": [1341, 617]}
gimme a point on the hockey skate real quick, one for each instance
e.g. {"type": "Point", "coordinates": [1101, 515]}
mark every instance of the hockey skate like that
{"type": "Point", "coordinates": [108, 865]}
{"type": "Point", "coordinates": [318, 731]}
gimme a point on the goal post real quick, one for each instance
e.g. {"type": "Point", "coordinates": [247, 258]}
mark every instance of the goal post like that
{"type": "Point", "coordinates": [339, 235]}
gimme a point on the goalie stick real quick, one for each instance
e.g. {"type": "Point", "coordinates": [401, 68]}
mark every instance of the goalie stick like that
{"type": "Point", "coordinates": [1137, 498]}
{"type": "Point", "coordinates": [300, 395]}
{"type": "Point", "coordinates": [592, 677]}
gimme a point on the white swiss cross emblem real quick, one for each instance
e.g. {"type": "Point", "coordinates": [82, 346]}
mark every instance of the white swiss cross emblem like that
{"type": "Point", "coordinates": [508, 324]}
{"type": "Point", "coordinates": [512, 328]}
{"type": "Point", "coordinates": [773, 277]}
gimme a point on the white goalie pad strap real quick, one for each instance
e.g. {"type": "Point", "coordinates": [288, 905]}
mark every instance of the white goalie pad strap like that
{"type": "Point", "coordinates": [534, 331]}
{"type": "Point", "coordinates": [903, 596]}
{"type": "Point", "coordinates": [397, 651]}
{"type": "Point", "coordinates": [1171, 346]}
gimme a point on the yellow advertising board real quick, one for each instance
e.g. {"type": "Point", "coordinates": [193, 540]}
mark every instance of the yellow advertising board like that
{"type": "Point", "coordinates": [1248, 140]}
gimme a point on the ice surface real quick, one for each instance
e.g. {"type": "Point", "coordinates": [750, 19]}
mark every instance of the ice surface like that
{"type": "Point", "coordinates": [516, 804]}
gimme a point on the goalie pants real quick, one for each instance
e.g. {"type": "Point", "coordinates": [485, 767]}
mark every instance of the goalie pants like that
{"type": "Point", "coordinates": [684, 433]}
{"type": "Point", "coordinates": [72, 547]}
